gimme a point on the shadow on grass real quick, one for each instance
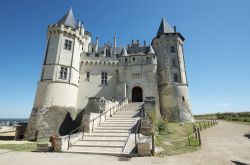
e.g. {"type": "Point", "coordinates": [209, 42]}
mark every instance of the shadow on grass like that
{"type": "Point", "coordinates": [238, 163]}
{"type": "Point", "coordinates": [7, 137]}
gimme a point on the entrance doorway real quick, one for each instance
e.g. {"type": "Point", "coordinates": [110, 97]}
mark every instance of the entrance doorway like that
{"type": "Point", "coordinates": [137, 95]}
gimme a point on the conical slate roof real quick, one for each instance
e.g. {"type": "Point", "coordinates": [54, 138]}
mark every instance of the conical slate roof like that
{"type": "Point", "coordinates": [151, 50]}
{"type": "Point", "coordinates": [124, 52]}
{"type": "Point", "coordinates": [68, 19]}
{"type": "Point", "coordinates": [164, 28]}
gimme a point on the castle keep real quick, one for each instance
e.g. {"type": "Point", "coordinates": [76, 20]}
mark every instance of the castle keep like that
{"type": "Point", "coordinates": [76, 69]}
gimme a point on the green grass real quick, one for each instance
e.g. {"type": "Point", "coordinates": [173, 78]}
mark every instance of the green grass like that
{"type": "Point", "coordinates": [177, 131]}
{"type": "Point", "coordinates": [19, 147]}
{"type": "Point", "coordinates": [25, 147]}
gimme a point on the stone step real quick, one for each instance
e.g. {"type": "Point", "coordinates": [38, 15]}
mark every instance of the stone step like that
{"type": "Point", "coordinates": [120, 119]}
{"type": "Point", "coordinates": [112, 128]}
{"type": "Point", "coordinates": [104, 138]}
{"type": "Point", "coordinates": [114, 125]}
{"type": "Point", "coordinates": [110, 131]}
{"type": "Point", "coordinates": [105, 134]}
{"type": "Point", "coordinates": [96, 150]}
{"type": "Point", "coordinates": [99, 143]}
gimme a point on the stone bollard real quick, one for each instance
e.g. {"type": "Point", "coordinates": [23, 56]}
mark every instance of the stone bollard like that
{"type": "Point", "coordinates": [144, 145]}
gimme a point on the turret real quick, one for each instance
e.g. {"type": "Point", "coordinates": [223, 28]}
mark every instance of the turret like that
{"type": "Point", "coordinates": [56, 94]}
{"type": "Point", "coordinates": [172, 83]}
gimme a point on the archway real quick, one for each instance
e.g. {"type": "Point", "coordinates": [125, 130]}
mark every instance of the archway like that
{"type": "Point", "coordinates": [137, 95]}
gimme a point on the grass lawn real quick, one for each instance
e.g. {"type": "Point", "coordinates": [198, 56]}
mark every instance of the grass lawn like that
{"type": "Point", "coordinates": [177, 131]}
{"type": "Point", "coordinates": [20, 145]}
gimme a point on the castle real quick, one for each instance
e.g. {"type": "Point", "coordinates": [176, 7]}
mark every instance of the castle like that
{"type": "Point", "coordinates": [76, 69]}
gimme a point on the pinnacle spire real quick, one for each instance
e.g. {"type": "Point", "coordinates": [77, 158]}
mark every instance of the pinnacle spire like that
{"type": "Point", "coordinates": [151, 50]}
{"type": "Point", "coordinates": [164, 28]}
{"type": "Point", "coordinates": [68, 19]}
{"type": "Point", "coordinates": [124, 52]}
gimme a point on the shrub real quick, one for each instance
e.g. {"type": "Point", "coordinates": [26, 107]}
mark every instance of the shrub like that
{"type": "Point", "coordinates": [162, 126]}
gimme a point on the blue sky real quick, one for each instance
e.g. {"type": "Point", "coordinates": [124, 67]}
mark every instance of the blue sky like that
{"type": "Point", "coordinates": [216, 48]}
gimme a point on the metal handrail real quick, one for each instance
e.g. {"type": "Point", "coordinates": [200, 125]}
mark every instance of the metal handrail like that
{"type": "Point", "coordinates": [138, 122]}
{"type": "Point", "coordinates": [130, 131]}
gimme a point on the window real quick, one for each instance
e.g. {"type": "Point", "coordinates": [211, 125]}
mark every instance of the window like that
{"type": "Point", "coordinates": [108, 52]}
{"type": "Point", "coordinates": [174, 63]}
{"type": "Point", "coordinates": [126, 60]}
{"type": "Point", "coordinates": [172, 49]}
{"type": "Point", "coordinates": [176, 77]}
{"type": "Point", "coordinates": [87, 75]}
{"type": "Point", "coordinates": [104, 78]}
{"type": "Point", "coordinates": [67, 44]}
{"type": "Point", "coordinates": [183, 98]}
{"type": "Point", "coordinates": [63, 73]}
{"type": "Point", "coordinates": [133, 59]}
{"type": "Point", "coordinates": [97, 55]}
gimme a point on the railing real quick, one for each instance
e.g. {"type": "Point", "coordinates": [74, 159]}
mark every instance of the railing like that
{"type": "Point", "coordinates": [100, 117]}
{"type": "Point", "coordinates": [114, 108]}
{"type": "Point", "coordinates": [137, 123]}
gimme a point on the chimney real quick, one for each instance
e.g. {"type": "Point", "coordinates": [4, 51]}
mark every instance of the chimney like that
{"type": "Point", "coordinates": [144, 43]}
{"type": "Point", "coordinates": [175, 29]}
{"type": "Point", "coordinates": [79, 25]}
{"type": "Point", "coordinates": [96, 44]}
{"type": "Point", "coordinates": [114, 41]}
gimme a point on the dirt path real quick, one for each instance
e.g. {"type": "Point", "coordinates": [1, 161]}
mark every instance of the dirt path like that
{"type": "Point", "coordinates": [222, 144]}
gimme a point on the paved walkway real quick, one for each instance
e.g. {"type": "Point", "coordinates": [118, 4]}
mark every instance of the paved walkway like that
{"type": "Point", "coordinates": [222, 144]}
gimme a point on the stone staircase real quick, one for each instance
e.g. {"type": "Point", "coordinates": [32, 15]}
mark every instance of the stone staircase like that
{"type": "Point", "coordinates": [110, 136]}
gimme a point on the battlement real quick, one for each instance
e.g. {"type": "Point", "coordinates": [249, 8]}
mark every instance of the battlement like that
{"type": "Point", "coordinates": [80, 34]}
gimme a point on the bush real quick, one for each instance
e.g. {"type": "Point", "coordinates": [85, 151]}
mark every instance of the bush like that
{"type": "Point", "coordinates": [162, 126]}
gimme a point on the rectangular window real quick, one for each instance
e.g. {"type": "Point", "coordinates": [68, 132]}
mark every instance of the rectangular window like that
{"type": "Point", "coordinates": [97, 55]}
{"type": "Point", "coordinates": [176, 77]}
{"type": "Point", "coordinates": [87, 75]}
{"type": "Point", "coordinates": [174, 63]}
{"type": "Point", "coordinates": [63, 73]}
{"type": "Point", "coordinates": [172, 49]}
{"type": "Point", "coordinates": [67, 44]}
{"type": "Point", "coordinates": [104, 77]}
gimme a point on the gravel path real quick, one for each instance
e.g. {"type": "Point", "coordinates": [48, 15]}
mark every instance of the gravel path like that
{"type": "Point", "coordinates": [222, 144]}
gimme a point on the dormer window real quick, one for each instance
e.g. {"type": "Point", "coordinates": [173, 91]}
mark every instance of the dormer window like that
{"type": "Point", "coordinates": [108, 52]}
{"type": "Point", "coordinates": [67, 44]}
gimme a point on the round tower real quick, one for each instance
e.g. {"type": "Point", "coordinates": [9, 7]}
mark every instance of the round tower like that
{"type": "Point", "coordinates": [172, 80]}
{"type": "Point", "coordinates": [56, 95]}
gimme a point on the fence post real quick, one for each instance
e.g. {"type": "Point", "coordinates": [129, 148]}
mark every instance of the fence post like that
{"type": "Point", "coordinates": [82, 132]}
{"type": "Point", "coordinates": [200, 125]}
{"type": "Point", "coordinates": [208, 123]}
{"type": "Point", "coordinates": [93, 125]}
{"type": "Point", "coordinates": [153, 143]}
{"type": "Point", "coordinates": [199, 135]}
{"type": "Point", "coordinates": [195, 132]}
{"type": "Point", "coordinates": [204, 124]}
